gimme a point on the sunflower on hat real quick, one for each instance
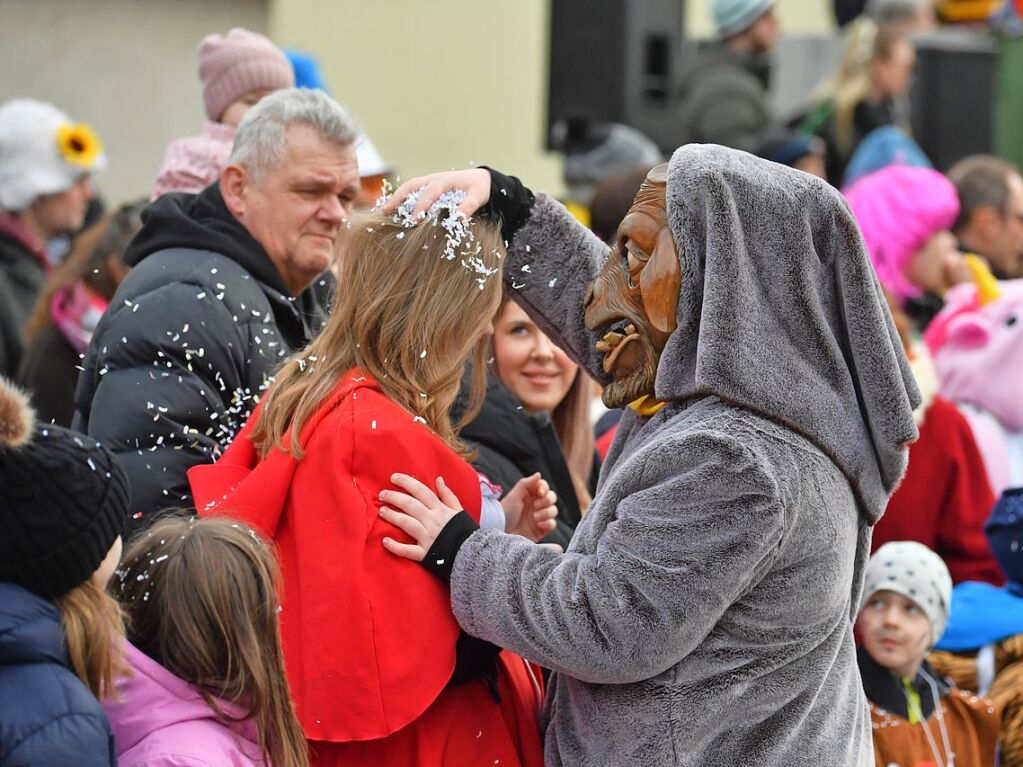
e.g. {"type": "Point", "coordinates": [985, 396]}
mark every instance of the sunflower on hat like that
{"type": "Point", "coordinates": [78, 144]}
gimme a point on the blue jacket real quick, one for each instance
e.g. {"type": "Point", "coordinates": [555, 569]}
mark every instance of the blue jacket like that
{"type": "Point", "coordinates": [47, 716]}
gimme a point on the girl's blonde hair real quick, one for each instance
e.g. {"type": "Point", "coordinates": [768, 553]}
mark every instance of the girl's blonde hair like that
{"type": "Point", "coordinates": [408, 310]}
{"type": "Point", "coordinates": [93, 632]}
{"type": "Point", "coordinates": [865, 42]}
{"type": "Point", "coordinates": [201, 600]}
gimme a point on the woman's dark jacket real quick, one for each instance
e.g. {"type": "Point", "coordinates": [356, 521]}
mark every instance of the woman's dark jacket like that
{"type": "Point", "coordinates": [513, 444]}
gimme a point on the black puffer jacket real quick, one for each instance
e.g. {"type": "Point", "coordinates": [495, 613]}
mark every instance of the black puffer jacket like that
{"type": "Point", "coordinates": [513, 444]}
{"type": "Point", "coordinates": [189, 342]}
{"type": "Point", "coordinates": [22, 277]}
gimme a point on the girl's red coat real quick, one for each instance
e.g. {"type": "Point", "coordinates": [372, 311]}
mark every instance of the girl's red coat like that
{"type": "Point", "coordinates": [369, 638]}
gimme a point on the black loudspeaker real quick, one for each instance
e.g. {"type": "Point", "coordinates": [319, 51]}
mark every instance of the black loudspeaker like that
{"type": "Point", "coordinates": [952, 101]}
{"type": "Point", "coordinates": [615, 61]}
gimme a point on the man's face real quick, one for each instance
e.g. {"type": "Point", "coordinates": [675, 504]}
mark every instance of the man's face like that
{"type": "Point", "coordinates": [296, 210]}
{"type": "Point", "coordinates": [635, 295]}
{"type": "Point", "coordinates": [765, 31]}
{"type": "Point", "coordinates": [63, 212]}
{"type": "Point", "coordinates": [1006, 251]}
{"type": "Point", "coordinates": [893, 74]}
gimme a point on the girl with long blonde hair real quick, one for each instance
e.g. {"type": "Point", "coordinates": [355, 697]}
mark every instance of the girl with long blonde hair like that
{"type": "Point", "coordinates": [379, 671]}
{"type": "Point", "coordinates": [865, 93]}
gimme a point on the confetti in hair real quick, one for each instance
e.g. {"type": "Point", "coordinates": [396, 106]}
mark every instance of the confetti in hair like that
{"type": "Point", "coordinates": [460, 242]}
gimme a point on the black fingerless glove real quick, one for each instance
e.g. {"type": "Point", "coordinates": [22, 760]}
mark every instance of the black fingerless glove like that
{"type": "Point", "coordinates": [441, 557]}
{"type": "Point", "coordinates": [510, 202]}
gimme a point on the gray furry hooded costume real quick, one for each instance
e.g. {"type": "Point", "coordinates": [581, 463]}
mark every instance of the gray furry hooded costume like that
{"type": "Point", "coordinates": [702, 614]}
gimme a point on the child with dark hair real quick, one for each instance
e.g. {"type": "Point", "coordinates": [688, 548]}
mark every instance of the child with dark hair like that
{"type": "Point", "coordinates": [207, 683]}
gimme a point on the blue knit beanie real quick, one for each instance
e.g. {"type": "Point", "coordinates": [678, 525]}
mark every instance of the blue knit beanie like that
{"type": "Point", "coordinates": [734, 16]}
{"type": "Point", "coordinates": [1005, 536]}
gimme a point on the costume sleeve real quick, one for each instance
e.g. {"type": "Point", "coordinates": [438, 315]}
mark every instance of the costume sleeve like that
{"type": "Point", "coordinates": [677, 555]}
{"type": "Point", "coordinates": [551, 262]}
{"type": "Point", "coordinates": [161, 381]}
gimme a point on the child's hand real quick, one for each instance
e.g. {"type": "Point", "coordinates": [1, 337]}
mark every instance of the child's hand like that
{"type": "Point", "coordinates": [529, 508]}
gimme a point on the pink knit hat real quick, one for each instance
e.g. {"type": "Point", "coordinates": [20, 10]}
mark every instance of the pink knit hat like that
{"type": "Point", "coordinates": [898, 209]}
{"type": "Point", "coordinates": [237, 63]}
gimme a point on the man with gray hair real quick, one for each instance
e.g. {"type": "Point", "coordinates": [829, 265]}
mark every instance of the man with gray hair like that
{"type": "Point", "coordinates": [225, 284]}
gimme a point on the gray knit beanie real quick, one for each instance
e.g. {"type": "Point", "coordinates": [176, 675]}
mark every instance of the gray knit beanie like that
{"type": "Point", "coordinates": [914, 571]}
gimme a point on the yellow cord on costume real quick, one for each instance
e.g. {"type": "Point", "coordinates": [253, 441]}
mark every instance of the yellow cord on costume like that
{"type": "Point", "coordinates": [646, 406]}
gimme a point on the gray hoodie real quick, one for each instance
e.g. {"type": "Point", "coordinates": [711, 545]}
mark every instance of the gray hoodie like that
{"type": "Point", "coordinates": [702, 614]}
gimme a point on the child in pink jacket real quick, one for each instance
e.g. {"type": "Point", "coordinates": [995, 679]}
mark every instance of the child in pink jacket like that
{"type": "Point", "coordinates": [236, 70]}
{"type": "Point", "coordinates": [206, 683]}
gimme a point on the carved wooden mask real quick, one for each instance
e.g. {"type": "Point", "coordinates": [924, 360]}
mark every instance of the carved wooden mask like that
{"type": "Point", "coordinates": [635, 294]}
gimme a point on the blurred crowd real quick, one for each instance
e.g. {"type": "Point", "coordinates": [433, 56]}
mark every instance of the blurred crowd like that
{"type": "Point", "coordinates": [137, 340]}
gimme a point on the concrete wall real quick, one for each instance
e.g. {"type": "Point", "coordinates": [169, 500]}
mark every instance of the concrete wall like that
{"type": "Point", "coordinates": [127, 67]}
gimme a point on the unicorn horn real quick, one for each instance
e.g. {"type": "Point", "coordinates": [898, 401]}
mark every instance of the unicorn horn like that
{"type": "Point", "coordinates": [987, 285]}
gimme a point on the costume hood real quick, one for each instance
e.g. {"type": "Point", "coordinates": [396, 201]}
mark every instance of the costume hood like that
{"type": "Point", "coordinates": [780, 312]}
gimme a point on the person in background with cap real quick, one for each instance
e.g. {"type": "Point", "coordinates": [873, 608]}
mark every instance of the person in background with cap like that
{"type": "Point", "coordinates": [725, 92]}
{"type": "Point", "coordinates": [917, 716]}
{"type": "Point", "coordinates": [46, 162]}
{"type": "Point", "coordinates": [237, 70]}
{"type": "Point", "coordinates": [60, 632]}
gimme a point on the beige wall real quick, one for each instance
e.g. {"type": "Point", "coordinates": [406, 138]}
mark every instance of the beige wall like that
{"type": "Point", "coordinates": [436, 85]}
{"type": "Point", "coordinates": [445, 84]}
{"type": "Point", "coordinates": [127, 67]}
{"type": "Point", "coordinates": [798, 17]}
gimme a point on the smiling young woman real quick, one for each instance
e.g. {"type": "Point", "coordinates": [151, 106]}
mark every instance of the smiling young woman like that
{"type": "Point", "coordinates": [536, 418]}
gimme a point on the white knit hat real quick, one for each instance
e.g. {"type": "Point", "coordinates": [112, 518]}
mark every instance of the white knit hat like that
{"type": "Point", "coordinates": [42, 152]}
{"type": "Point", "coordinates": [914, 571]}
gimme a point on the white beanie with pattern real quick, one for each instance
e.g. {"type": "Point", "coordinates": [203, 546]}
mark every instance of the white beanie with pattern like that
{"type": "Point", "coordinates": [917, 573]}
